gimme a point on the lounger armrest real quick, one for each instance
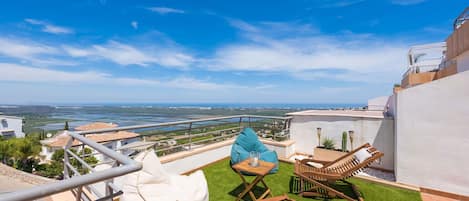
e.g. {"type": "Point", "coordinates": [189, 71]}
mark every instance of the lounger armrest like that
{"type": "Point", "coordinates": [322, 175]}
{"type": "Point", "coordinates": [306, 160]}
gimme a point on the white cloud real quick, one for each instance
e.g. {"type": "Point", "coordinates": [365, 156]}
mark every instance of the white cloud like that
{"type": "Point", "coordinates": [21, 73]}
{"type": "Point", "coordinates": [165, 10]}
{"type": "Point", "coordinates": [134, 24]}
{"type": "Point", "coordinates": [407, 2]}
{"type": "Point", "coordinates": [305, 56]}
{"type": "Point", "coordinates": [277, 29]}
{"type": "Point", "coordinates": [23, 49]}
{"type": "Point", "coordinates": [125, 54]}
{"type": "Point", "coordinates": [28, 51]}
{"type": "Point", "coordinates": [339, 3]}
{"type": "Point", "coordinates": [50, 28]}
{"type": "Point", "coordinates": [167, 54]}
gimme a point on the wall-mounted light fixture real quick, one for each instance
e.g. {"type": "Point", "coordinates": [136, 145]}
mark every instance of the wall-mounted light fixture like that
{"type": "Point", "coordinates": [319, 135]}
{"type": "Point", "coordinates": [351, 135]}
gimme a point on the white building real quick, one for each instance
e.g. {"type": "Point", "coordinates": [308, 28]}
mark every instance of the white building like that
{"type": "Point", "coordinates": [11, 126]}
{"type": "Point", "coordinates": [368, 126]}
{"type": "Point", "coordinates": [112, 140]}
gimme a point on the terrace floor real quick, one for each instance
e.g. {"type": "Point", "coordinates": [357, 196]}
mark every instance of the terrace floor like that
{"type": "Point", "coordinates": [225, 184]}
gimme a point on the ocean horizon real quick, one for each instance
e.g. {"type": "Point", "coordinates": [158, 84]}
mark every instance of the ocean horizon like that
{"type": "Point", "coordinates": [198, 105]}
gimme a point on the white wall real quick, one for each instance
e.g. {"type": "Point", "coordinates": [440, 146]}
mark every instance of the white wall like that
{"type": "Point", "coordinates": [283, 152]}
{"type": "Point", "coordinates": [15, 123]}
{"type": "Point", "coordinates": [197, 158]}
{"type": "Point", "coordinates": [189, 163]}
{"type": "Point", "coordinates": [391, 106]}
{"type": "Point", "coordinates": [432, 135]}
{"type": "Point", "coordinates": [378, 103]}
{"type": "Point", "coordinates": [463, 62]}
{"type": "Point", "coordinates": [378, 132]}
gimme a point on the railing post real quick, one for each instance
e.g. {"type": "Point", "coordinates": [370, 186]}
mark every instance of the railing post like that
{"type": "Point", "coordinates": [66, 157]}
{"type": "Point", "coordinates": [109, 190]}
{"type": "Point", "coordinates": [240, 124]}
{"type": "Point", "coordinates": [83, 151]}
{"type": "Point", "coordinates": [273, 129]}
{"type": "Point", "coordinates": [190, 136]}
{"type": "Point", "coordinates": [287, 127]}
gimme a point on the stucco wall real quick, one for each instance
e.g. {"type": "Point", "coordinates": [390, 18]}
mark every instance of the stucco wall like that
{"type": "Point", "coordinates": [14, 123]}
{"type": "Point", "coordinates": [186, 161]}
{"type": "Point", "coordinates": [463, 62]}
{"type": "Point", "coordinates": [185, 164]}
{"type": "Point", "coordinates": [378, 132]}
{"type": "Point", "coordinates": [378, 103]}
{"type": "Point", "coordinates": [432, 134]}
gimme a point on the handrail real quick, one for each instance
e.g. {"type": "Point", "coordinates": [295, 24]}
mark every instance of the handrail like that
{"type": "Point", "coordinates": [178, 122]}
{"type": "Point", "coordinates": [128, 166]}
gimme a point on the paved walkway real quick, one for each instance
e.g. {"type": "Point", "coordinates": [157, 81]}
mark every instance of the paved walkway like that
{"type": "Point", "coordinates": [431, 197]}
{"type": "Point", "coordinates": [9, 184]}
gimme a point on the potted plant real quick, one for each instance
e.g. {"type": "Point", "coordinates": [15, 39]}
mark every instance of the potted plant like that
{"type": "Point", "coordinates": [327, 152]}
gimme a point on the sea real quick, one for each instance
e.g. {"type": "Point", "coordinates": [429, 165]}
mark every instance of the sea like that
{"type": "Point", "coordinates": [126, 114]}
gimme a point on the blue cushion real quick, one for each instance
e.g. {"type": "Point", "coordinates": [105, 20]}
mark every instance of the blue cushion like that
{"type": "Point", "coordinates": [238, 154]}
{"type": "Point", "coordinates": [247, 139]}
{"type": "Point", "coordinates": [260, 147]}
{"type": "Point", "coordinates": [270, 156]}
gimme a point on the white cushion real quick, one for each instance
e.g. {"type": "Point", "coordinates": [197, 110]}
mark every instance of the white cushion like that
{"type": "Point", "coordinates": [316, 165]}
{"type": "Point", "coordinates": [182, 188]}
{"type": "Point", "coordinates": [154, 183]}
{"type": "Point", "coordinates": [362, 154]}
{"type": "Point", "coordinates": [152, 171]}
{"type": "Point", "coordinates": [130, 181]}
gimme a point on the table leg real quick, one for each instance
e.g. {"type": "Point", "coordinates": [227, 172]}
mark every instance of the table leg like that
{"type": "Point", "coordinates": [249, 186]}
{"type": "Point", "coordinates": [267, 188]}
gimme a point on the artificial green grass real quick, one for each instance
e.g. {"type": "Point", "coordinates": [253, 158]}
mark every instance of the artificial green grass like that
{"type": "Point", "coordinates": [225, 184]}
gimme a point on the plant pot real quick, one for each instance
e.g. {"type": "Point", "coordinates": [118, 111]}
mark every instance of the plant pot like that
{"type": "Point", "coordinates": [320, 153]}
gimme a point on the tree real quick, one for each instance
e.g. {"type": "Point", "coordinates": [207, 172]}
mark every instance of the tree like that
{"type": "Point", "coordinates": [55, 168]}
{"type": "Point", "coordinates": [20, 153]}
{"type": "Point", "coordinates": [66, 126]}
{"type": "Point", "coordinates": [26, 154]}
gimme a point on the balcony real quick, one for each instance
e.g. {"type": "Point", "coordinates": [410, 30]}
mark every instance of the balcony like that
{"type": "Point", "coordinates": [424, 62]}
{"type": "Point", "coordinates": [458, 41]}
{"type": "Point", "coordinates": [204, 144]}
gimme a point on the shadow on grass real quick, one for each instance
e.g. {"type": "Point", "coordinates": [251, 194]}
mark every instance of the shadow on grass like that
{"type": "Point", "coordinates": [341, 186]}
{"type": "Point", "coordinates": [257, 190]}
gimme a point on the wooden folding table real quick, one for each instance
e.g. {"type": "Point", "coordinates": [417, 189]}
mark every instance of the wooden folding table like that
{"type": "Point", "coordinates": [260, 171]}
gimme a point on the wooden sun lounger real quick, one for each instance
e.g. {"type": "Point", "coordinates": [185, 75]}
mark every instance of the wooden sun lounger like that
{"type": "Point", "coordinates": [319, 180]}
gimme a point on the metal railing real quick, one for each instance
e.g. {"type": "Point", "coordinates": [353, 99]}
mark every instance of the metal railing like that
{"type": "Point", "coordinates": [123, 165]}
{"type": "Point", "coordinates": [172, 137]}
{"type": "Point", "coordinates": [184, 135]}
{"type": "Point", "coordinates": [421, 69]}
{"type": "Point", "coordinates": [461, 19]}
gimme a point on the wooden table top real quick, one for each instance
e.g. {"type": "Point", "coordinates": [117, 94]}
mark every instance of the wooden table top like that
{"type": "Point", "coordinates": [263, 168]}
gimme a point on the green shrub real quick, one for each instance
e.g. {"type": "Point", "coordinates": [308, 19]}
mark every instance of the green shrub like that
{"type": "Point", "coordinates": [328, 143]}
{"type": "Point", "coordinates": [344, 141]}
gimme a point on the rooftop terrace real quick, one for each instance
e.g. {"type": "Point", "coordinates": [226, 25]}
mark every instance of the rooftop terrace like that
{"type": "Point", "coordinates": [201, 144]}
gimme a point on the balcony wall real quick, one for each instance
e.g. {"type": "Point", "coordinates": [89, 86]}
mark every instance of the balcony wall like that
{"type": "Point", "coordinates": [377, 131]}
{"type": "Point", "coordinates": [447, 71]}
{"type": "Point", "coordinates": [432, 135]}
{"type": "Point", "coordinates": [458, 41]}
{"type": "Point", "coordinates": [463, 62]}
{"type": "Point", "coordinates": [187, 161]}
{"type": "Point", "coordinates": [413, 79]}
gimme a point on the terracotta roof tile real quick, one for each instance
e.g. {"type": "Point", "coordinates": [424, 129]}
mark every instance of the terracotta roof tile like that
{"type": "Point", "coordinates": [95, 126]}
{"type": "Point", "coordinates": [62, 139]}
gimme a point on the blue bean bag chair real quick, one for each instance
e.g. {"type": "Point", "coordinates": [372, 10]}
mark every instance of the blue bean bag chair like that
{"type": "Point", "coordinates": [248, 141]}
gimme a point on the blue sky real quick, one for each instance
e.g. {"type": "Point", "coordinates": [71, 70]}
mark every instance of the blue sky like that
{"type": "Point", "coordinates": [95, 51]}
